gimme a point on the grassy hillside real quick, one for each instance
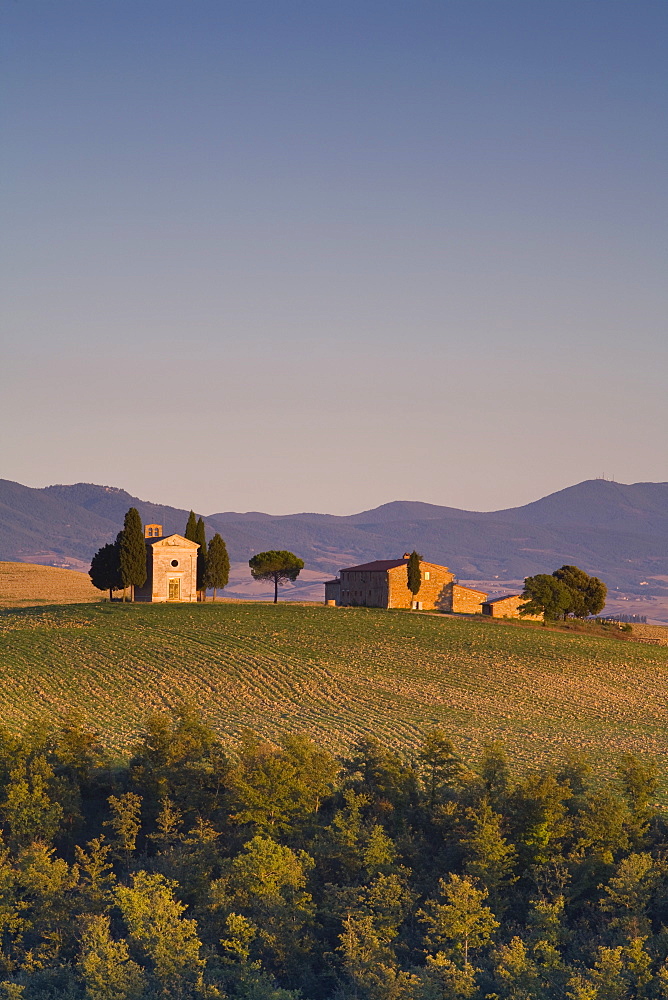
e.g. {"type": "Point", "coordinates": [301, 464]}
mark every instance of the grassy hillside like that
{"type": "Point", "coordinates": [336, 674]}
{"type": "Point", "coordinates": [27, 585]}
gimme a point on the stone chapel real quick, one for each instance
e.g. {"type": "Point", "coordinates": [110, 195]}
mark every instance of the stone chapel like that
{"type": "Point", "coordinates": [171, 568]}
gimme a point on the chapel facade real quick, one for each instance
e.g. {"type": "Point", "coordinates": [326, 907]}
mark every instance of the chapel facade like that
{"type": "Point", "coordinates": [171, 568]}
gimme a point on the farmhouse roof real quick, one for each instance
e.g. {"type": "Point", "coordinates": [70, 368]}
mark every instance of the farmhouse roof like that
{"type": "Point", "coordinates": [505, 597]}
{"type": "Point", "coordinates": [379, 566]}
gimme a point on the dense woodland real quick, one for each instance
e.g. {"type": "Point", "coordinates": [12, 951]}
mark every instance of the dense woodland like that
{"type": "Point", "coordinates": [278, 872]}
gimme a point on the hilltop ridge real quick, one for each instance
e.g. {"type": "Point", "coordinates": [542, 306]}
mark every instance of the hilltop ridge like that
{"type": "Point", "coordinates": [617, 531]}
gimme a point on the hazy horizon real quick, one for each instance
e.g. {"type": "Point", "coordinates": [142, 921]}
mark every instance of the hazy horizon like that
{"type": "Point", "coordinates": [277, 256]}
{"type": "Point", "coordinates": [358, 510]}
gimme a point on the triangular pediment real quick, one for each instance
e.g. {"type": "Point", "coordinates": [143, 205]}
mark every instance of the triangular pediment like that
{"type": "Point", "coordinates": [172, 541]}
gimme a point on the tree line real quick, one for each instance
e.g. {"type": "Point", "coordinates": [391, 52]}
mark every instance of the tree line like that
{"type": "Point", "coordinates": [282, 872]}
{"type": "Point", "coordinates": [121, 564]}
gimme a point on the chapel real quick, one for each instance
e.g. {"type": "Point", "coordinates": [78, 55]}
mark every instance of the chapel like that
{"type": "Point", "coordinates": [171, 568]}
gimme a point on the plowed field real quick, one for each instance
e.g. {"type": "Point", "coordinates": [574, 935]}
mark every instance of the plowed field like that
{"type": "Point", "coordinates": [337, 674]}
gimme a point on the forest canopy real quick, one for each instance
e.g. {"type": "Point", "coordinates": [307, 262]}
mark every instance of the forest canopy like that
{"type": "Point", "coordinates": [283, 872]}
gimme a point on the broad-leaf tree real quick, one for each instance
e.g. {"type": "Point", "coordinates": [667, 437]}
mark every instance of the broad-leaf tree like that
{"type": "Point", "coordinates": [266, 884]}
{"type": "Point", "coordinates": [105, 568]}
{"type": "Point", "coordinates": [162, 935]}
{"type": "Point", "coordinates": [180, 758]}
{"type": "Point", "coordinates": [495, 772]}
{"type": "Point", "coordinates": [278, 566]}
{"type": "Point", "coordinates": [125, 822]}
{"type": "Point", "coordinates": [588, 592]}
{"type": "Point", "coordinates": [489, 856]}
{"type": "Point", "coordinates": [462, 923]}
{"type": "Point", "coordinates": [105, 965]}
{"type": "Point", "coordinates": [568, 591]}
{"type": "Point", "coordinates": [545, 595]}
{"type": "Point", "coordinates": [217, 565]}
{"type": "Point", "coordinates": [639, 780]}
{"type": "Point", "coordinates": [306, 874]}
{"type": "Point", "coordinates": [29, 811]}
{"type": "Point", "coordinates": [414, 573]}
{"type": "Point", "coordinates": [276, 789]}
{"type": "Point", "coordinates": [132, 552]}
{"type": "Point", "coordinates": [439, 765]}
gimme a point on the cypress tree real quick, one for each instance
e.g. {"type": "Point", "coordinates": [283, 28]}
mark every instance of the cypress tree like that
{"type": "Point", "coordinates": [191, 527]}
{"type": "Point", "coordinates": [413, 572]}
{"type": "Point", "coordinates": [217, 565]}
{"type": "Point", "coordinates": [132, 552]}
{"type": "Point", "coordinates": [200, 538]}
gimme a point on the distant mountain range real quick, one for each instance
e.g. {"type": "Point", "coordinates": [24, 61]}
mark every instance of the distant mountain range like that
{"type": "Point", "coordinates": [616, 531]}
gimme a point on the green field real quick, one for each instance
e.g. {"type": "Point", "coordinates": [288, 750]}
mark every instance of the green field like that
{"type": "Point", "coordinates": [336, 674]}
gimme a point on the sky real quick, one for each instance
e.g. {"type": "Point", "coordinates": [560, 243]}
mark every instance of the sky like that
{"type": "Point", "coordinates": [318, 255]}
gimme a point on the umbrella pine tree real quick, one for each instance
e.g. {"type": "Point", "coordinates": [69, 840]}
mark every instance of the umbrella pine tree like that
{"type": "Point", "coordinates": [278, 566]}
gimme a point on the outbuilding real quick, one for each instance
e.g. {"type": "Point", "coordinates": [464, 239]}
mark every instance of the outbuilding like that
{"type": "Point", "coordinates": [508, 606]}
{"type": "Point", "coordinates": [466, 600]}
{"type": "Point", "coordinates": [333, 591]}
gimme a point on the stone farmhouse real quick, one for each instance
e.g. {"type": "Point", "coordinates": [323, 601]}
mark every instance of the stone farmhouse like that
{"type": "Point", "coordinates": [171, 568]}
{"type": "Point", "coordinates": [384, 584]}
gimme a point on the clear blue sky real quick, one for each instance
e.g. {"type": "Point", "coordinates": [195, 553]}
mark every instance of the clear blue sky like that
{"type": "Point", "coordinates": [320, 255]}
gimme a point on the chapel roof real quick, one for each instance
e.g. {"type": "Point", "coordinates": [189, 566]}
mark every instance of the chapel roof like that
{"type": "Point", "coordinates": [164, 538]}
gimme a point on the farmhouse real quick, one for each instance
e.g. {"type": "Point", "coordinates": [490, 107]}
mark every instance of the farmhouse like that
{"type": "Point", "coordinates": [171, 568]}
{"type": "Point", "coordinates": [508, 607]}
{"type": "Point", "coordinates": [384, 584]}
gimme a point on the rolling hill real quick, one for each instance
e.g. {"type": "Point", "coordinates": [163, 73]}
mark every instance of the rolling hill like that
{"type": "Point", "coordinates": [617, 531]}
{"type": "Point", "coordinates": [28, 584]}
{"type": "Point", "coordinates": [338, 675]}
